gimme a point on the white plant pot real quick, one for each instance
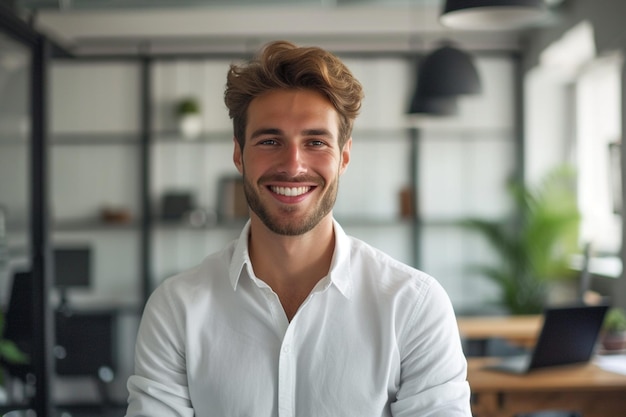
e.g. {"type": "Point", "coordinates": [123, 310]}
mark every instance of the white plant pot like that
{"type": "Point", "coordinates": [190, 126]}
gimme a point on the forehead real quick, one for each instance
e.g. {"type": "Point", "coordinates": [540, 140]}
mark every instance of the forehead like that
{"type": "Point", "coordinates": [291, 108]}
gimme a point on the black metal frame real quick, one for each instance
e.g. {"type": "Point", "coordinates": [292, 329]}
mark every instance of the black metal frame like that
{"type": "Point", "coordinates": [145, 249]}
{"type": "Point", "coordinates": [43, 319]}
{"type": "Point", "coordinates": [43, 330]}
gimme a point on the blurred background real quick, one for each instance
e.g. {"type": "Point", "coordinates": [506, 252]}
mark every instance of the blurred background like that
{"type": "Point", "coordinates": [116, 172]}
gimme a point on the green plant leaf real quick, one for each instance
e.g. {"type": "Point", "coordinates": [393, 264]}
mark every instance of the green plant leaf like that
{"type": "Point", "coordinates": [535, 244]}
{"type": "Point", "coordinates": [187, 105]}
{"type": "Point", "coordinates": [11, 353]}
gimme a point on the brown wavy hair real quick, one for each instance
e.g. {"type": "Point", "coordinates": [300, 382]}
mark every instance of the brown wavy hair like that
{"type": "Point", "coordinates": [283, 65]}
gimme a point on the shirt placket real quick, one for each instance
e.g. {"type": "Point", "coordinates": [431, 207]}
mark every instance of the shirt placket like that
{"type": "Point", "coordinates": [287, 375]}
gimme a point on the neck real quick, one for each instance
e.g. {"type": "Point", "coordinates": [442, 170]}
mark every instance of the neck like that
{"type": "Point", "coordinates": [291, 265]}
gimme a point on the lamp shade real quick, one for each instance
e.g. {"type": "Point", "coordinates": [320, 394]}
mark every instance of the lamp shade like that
{"type": "Point", "coordinates": [491, 14]}
{"type": "Point", "coordinates": [433, 106]}
{"type": "Point", "coordinates": [447, 72]}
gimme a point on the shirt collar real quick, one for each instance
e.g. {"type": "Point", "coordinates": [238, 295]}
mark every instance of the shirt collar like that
{"type": "Point", "coordinates": [339, 274]}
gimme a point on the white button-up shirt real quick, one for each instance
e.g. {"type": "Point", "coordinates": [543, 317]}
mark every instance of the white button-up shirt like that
{"type": "Point", "coordinates": [374, 338]}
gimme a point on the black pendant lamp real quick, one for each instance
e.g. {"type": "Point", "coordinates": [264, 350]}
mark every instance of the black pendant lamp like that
{"type": "Point", "coordinates": [433, 106]}
{"type": "Point", "coordinates": [491, 14]}
{"type": "Point", "coordinates": [448, 71]}
{"type": "Point", "coordinates": [444, 74]}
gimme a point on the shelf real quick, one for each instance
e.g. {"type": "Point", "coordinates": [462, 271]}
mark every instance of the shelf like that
{"type": "Point", "coordinates": [92, 225]}
{"type": "Point", "coordinates": [371, 221]}
{"type": "Point", "coordinates": [86, 139]}
{"type": "Point", "coordinates": [238, 224]}
{"type": "Point", "coordinates": [205, 137]}
{"type": "Point", "coordinates": [184, 225]}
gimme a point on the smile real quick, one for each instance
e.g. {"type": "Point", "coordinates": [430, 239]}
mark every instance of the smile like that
{"type": "Point", "coordinates": [290, 191]}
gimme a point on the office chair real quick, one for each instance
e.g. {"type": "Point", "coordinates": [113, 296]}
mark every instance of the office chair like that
{"type": "Point", "coordinates": [550, 413]}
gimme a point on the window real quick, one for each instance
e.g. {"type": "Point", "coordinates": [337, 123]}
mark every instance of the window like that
{"type": "Point", "coordinates": [598, 125]}
{"type": "Point", "coordinates": [573, 116]}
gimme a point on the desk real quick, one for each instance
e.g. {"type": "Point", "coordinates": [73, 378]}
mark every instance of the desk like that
{"type": "Point", "coordinates": [584, 388]}
{"type": "Point", "coordinates": [521, 330]}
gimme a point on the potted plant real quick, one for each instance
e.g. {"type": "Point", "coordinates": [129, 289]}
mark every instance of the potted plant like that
{"type": "Point", "coordinates": [614, 330]}
{"type": "Point", "coordinates": [535, 246]}
{"type": "Point", "coordinates": [188, 114]}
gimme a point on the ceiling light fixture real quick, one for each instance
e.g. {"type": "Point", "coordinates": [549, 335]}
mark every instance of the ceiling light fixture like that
{"type": "Point", "coordinates": [491, 14]}
{"type": "Point", "coordinates": [448, 71]}
{"type": "Point", "coordinates": [444, 74]}
{"type": "Point", "coordinates": [434, 106]}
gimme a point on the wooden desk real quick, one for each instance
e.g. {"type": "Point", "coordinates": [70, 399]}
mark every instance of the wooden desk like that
{"type": "Point", "coordinates": [522, 330]}
{"type": "Point", "coordinates": [584, 388]}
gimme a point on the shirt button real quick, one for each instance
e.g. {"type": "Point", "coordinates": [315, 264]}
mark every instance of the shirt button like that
{"type": "Point", "coordinates": [286, 349]}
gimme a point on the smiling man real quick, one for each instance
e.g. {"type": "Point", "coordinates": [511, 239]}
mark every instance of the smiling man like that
{"type": "Point", "coordinates": [296, 318]}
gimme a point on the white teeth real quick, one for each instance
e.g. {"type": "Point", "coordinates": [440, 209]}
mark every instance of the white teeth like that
{"type": "Point", "coordinates": [290, 191]}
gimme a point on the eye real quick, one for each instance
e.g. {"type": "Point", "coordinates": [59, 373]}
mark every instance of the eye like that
{"type": "Point", "coordinates": [316, 143]}
{"type": "Point", "coordinates": [267, 142]}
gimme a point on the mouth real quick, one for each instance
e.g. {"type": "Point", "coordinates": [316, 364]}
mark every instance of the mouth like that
{"type": "Point", "coordinates": [290, 191]}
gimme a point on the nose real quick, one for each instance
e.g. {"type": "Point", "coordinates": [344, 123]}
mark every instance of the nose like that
{"type": "Point", "coordinates": [292, 161]}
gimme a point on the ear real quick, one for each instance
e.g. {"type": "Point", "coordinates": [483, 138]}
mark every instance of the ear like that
{"type": "Point", "coordinates": [238, 156]}
{"type": "Point", "coordinates": [345, 156]}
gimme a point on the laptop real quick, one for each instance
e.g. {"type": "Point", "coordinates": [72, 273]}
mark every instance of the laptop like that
{"type": "Point", "coordinates": [568, 336]}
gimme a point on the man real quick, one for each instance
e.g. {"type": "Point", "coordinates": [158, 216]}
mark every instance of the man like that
{"type": "Point", "coordinates": [296, 318]}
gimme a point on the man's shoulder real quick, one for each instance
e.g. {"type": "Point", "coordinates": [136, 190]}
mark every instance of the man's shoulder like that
{"type": "Point", "coordinates": [384, 268]}
{"type": "Point", "coordinates": [212, 270]}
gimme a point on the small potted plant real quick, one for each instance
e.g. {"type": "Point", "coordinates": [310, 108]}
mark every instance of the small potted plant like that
{"type": "Point", "coordinates": [614, 330]}
{"type": "Point", "coordinates": [187, 111]}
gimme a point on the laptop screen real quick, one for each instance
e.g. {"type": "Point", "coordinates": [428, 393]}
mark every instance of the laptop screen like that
{"type": "Point", "coordinates": [569, 335]}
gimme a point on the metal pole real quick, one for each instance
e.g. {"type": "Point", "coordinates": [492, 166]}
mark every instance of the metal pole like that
{"type": "Point", "coordinates": [416, 223]}
{"type": "Point", "coordinates": [144, 175]}
{"type": "Point", "coordinates": [43, 326]}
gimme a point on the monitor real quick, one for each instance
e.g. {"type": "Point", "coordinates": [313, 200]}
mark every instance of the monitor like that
{"type": "Point", "coordinates": [72, 268]}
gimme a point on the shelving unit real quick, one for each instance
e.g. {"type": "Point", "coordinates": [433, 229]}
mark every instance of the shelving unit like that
{"type": "Point", "coordinates": [390, 153]}
{"type": "Point", "coordinates": [120, 133]}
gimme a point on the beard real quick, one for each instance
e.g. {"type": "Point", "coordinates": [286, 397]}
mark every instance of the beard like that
{"type": "Point", "coordinates": [283, 222]}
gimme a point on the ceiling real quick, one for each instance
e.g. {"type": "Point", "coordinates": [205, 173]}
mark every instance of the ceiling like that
{"type": "Point", "coordinates": [152, 4]}
{"type": "Point", "coordinates": [122, 27]}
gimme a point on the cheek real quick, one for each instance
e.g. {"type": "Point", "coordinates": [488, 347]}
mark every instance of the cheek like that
{"type": "Point", "coordinates": [251, 167]}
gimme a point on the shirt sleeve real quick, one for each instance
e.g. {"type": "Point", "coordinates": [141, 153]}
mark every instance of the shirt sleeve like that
{"type": "Point", "coordinates": [433, 381]}
{"type": "Point", "coordinates": [159, 385]}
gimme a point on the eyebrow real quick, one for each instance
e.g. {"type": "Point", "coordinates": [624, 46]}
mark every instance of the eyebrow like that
{"type": "Point", "coordinates": [269, 131]}
{"type": "Point", "coordinates": [317, 132]}
{"type": "Point", "coordinates": [278, 132]}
